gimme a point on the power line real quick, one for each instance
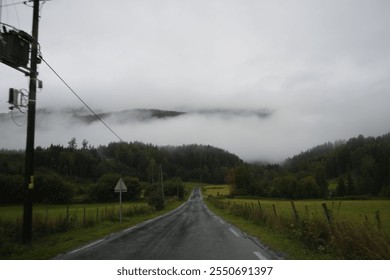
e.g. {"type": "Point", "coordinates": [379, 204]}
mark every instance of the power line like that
{"type": "Point", "coordinates": [21, 2]}
{"type": "Point", "coordinates": [82, 101]}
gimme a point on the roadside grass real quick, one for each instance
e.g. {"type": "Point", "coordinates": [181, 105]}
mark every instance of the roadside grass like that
{"type": "Point", "coordinates": [216, 190]}
{"type": "Point", "coordinates": [376, 212]}
{"type": "Point", "coordinates": [50, 245]}
{"type": "Point", "coordinates": [307, 229]}
{"type": "Point", "coordinates": [74, 211]}
{"type": "Point", "coordinates": [276, 241]}
{"type": "Point", "coordinates": [61, 228]}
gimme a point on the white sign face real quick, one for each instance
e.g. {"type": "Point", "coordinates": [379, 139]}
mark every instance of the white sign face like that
{"type": "Point", "coordinates": [120, 186]}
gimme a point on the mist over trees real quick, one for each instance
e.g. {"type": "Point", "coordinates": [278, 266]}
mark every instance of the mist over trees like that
{"type": "Point", "coordinates": [89, 174]}
{"type": "Point", "coordinates": [359, 167]}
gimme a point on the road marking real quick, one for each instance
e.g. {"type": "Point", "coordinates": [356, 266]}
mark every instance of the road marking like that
{"type": "Point", "coordinates": [85, 247]}
{"type": "Point", "coordinates": [128, 229]}
{"type": "Point", "coordinates": [259, 255]}
{"type": "Point", "coordinates": [234, 232]}
{"type": "Point", "coordinates": [221, 221]}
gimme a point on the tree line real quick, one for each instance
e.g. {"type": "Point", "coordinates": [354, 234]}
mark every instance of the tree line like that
{"type": "Point", "coordinates": [359, 167]}
{"type": "Point", "coordinates": [87, 174]}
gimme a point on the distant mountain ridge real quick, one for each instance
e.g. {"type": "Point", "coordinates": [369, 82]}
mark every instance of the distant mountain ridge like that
{"type": "Point", "coordinates": [85, 116]}
{"type": "Point", "coordinates": [137, 115]}
{"type": "Point", "coordinates": [130, 115]}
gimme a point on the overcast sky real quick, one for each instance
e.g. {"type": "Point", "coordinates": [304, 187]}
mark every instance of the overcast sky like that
{"type": "Point", "coordinates": [322, 68]}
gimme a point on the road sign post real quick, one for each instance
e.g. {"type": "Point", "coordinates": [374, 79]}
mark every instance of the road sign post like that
{"type": "Point", "coordinates": [120, 187]}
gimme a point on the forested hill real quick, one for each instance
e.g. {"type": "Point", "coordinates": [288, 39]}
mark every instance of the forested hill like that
{"type": "Point", "coordinates": [357, 167]}
{"type": "Point", "coordinates": [366, 161]}
{"type": "Point", "coordinates": [74, 170]}
{"type": "Point", "coordinates": [354, 168]}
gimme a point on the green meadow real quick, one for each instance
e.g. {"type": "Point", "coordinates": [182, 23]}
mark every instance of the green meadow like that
{"type": "Point", "coordinates": [310, 229]}
{"type": "Point", "coordinates": [359, 211]}
{"type": "Point", "coordinates": [356, 210]}
{"type": "Point", "coordinates": [60, 228]}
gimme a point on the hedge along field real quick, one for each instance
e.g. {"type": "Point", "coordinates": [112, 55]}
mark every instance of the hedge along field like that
{"type": "Point", "coordinates": [340, 229]}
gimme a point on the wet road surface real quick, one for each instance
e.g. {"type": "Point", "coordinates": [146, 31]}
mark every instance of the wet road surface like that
{"type": "Point", "coordinates": [191, 232]}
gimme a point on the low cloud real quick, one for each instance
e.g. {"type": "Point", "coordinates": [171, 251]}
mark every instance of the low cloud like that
{"type": "Point", "coordinates": [262, 79]}
{"type": "Point", "coordinates": [266, 135]}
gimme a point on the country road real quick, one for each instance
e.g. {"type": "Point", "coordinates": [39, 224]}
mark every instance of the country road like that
{"type": "Point", "coordinates": [191, 232]}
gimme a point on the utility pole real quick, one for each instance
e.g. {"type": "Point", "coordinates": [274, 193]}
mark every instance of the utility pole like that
{"type": "Point", "coordinates": [29, 158]}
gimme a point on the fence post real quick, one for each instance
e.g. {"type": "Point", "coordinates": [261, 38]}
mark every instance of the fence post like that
{"type": "Point", "coordinates": [261, 209]}
{"type": "Point", "coordinates": [294, 211]}
{"type": "Point", "coordinates": [378, 219]}
{"type": "Point", "coordinates": [327, 214]}
{"type": "Point", "coordinates": [338, 207]}
{"type": "Point", "coordinates": [273, 206]}
{"type": "Point", "coordinates": [307, 211]}
{"type": "Point", "coordinates": [67, 216]}
{"type": "Point", "coordinates": [76, 218]}
{"type": "Point", "coordinates": [46, 215]}
{"type": "Point", "coordinates": [84, 217]}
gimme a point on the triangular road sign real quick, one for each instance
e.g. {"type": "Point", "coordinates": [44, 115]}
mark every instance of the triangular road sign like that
{"type": "Point", "coordinates": [120, 186]}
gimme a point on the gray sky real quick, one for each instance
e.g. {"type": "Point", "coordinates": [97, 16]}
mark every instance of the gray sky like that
{"type": "Point", "coordinates": [321, 67]}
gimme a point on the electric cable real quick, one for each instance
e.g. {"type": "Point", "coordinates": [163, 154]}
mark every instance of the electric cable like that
{"type": "Point", "coordinates": [82, 101]}
{"type": "Point", "coordinates": [14, 120]}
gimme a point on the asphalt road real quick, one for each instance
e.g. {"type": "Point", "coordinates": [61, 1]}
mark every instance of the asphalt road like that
{"type": "Point", "coordinates": [191, 232]}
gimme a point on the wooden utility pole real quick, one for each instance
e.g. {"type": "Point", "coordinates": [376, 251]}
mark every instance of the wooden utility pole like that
{"type": "Point", "coordinates": [29, 158]}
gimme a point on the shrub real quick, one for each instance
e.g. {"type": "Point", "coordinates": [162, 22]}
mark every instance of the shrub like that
{"type": "Point", "coordinates": [11, 188]}
{"type": "Point", "coordinates": [103, 190]}
{"type": "Point", "coordinates": [51, 188]}
{"type": "Point", "coordinates": [156, 200]}
{"type": "Point", "coordinates": [174, 187]}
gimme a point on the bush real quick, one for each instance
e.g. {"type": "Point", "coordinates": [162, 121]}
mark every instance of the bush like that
{"type": "Point", "coordinates": [385, 192]}
{"type": "Point", "coordinates": [174, 187]}
{"type": "Point", "coordinates": [156, 200]}
{"type": "Point", "coordinates": [134, 188]}
{"type": "Point", "coordinates": [103, 190]}
{"type": "Point", "coordinates": [11, 188]}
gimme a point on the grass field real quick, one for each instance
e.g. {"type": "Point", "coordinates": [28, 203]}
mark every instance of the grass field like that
{"type": "Point", "coordinates": [98, 210]}
{"type": "Point", "coordinates": [357, 210]}
{"type": "Point", "coordinates": [48, 245]}
{"type": "Point", "coordinates": [216, 190]}
{"type": "Point", "coordinates": [305, 229]}
{"type": "Point", "coordinates": [59, 228]}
